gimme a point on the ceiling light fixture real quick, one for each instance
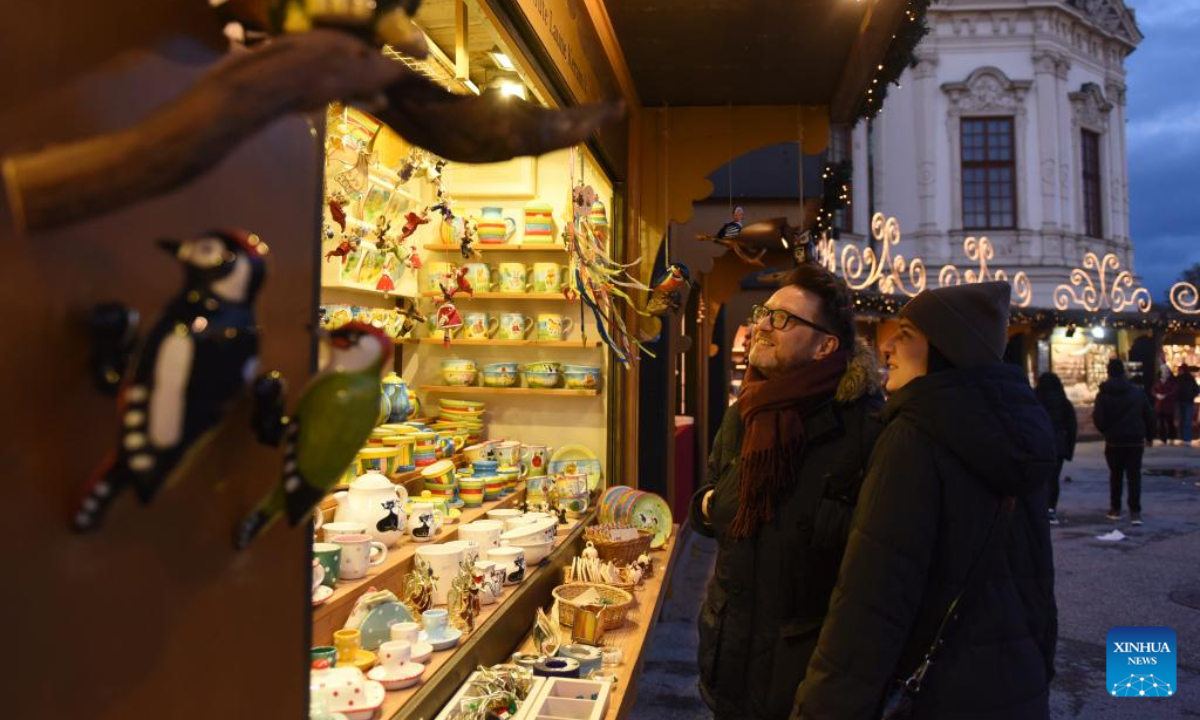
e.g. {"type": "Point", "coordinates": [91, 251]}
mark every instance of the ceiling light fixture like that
{"type": "Point", "coordinates": [470, 86]}
{"type": "Point", "coordinates": [502, 61]}
{"type": "Point", "coordinates": [512, 89]}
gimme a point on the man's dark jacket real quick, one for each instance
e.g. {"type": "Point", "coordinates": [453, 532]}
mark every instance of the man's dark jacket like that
{"type": "Point", "coordinates": [1123, 414]}
{"type": "Point", "coordinates": [954, 444]}
{"type": "Point", "coordinates": [768, 594]}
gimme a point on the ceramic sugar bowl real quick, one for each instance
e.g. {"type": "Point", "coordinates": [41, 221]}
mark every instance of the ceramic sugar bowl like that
{"type": "Point", "coordinates": [377, 503]}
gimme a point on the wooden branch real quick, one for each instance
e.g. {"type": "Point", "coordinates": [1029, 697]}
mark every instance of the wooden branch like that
{"type": "Point", "coordinates": [486, 128]}
{"type": "Point", "coordinates": [236, 98]}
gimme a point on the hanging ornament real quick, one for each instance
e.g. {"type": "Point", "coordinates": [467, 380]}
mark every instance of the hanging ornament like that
{"type": "Point", "coordinates": [470, 234]}
{"type": "Point", "coordinates": [196, 359]}
{"type": "Point", "coordinates": [337, 208]}
{"type": "Point", "coordinates": [733, 228]}
{"type": "Point", "coordinates": [331, 423]}
{"type": "Point", "coordinates": [347, 245]}
{"type": "Point", "coordinates": [412, 221]}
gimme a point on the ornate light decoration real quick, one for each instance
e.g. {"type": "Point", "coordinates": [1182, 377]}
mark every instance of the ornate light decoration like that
{"type": "Point", "coordinates": [891, 274]}
{"type": "Point", "coordinates": [1185, 298]}
{"type": "Point", "coordinates": [979, 250]}
{"type": "Point", "coordinates": [1092, 296]}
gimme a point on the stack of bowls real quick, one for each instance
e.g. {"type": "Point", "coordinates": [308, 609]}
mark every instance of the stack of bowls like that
{"type": "Point", "coordinates": [582, 377]}
{"type": "Point", "coordinates": [499, 375]}
{"type": "Point", "coordinates": [542, 374]}
{"type": "Point", "coordinates": [440, 480]}
{"type": "Point", "coordinates": [458, 371]}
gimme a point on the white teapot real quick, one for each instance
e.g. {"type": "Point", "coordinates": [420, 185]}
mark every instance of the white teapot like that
{"type": "Point", "coordinates": [377, 503]}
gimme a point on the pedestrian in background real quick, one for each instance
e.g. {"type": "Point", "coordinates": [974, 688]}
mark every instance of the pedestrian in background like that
{"type": "Point", "coordinates": [1187, 401]}
{"type": "Point", "coordinates": [1166, 401]}
{"type": "Point", "coordinates": [1124, 417]}
{"type": "Point", "coordinates": [785, 467]}
{"type": "Point", "coordinates": [951, 526]}
{"type": "Point", "coordinates": [1053, 397]}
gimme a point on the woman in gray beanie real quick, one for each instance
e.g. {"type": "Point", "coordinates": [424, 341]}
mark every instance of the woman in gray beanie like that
{"type": "Point", "coordinates": [951, 544]}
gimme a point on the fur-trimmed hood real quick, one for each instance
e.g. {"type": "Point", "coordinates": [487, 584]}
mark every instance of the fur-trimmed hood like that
{"type": "Point", "coordinates": [864, 375]}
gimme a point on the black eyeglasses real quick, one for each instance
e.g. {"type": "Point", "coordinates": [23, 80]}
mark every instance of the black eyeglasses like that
{"type": "Point", "coordinates": [781, 318]}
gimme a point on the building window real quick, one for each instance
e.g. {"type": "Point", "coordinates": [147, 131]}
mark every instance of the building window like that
{"type": "Point", "coordinates": [989, 174]}
{"type": "Point", "coordinates": [1091, 184]}
{"type": "Point", "coordinates": [841, 148]}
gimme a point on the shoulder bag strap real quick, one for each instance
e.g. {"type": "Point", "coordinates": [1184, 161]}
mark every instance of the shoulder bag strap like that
{"type": "Point", "coordinates": [985, 560]}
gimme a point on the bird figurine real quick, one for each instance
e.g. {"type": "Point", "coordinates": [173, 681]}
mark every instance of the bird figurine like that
{"type": "Point", "coordinates": [733, 228]}
{"type": "Point", "coordinates": [664, 298]}
{"type": "Point", "coordinates": [331, 423]}
{"type": "Point", "coordinates": [196, 359]}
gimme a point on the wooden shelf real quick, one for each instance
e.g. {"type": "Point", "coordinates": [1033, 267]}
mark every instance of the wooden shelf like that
{"type": "Point", "coordinates": [473, 390]}
{"type": "Point", "coordinates": [633, 635]}
{"type": "Point", "coordinates": [506, 247]}
{"type": "Point", "coordinates": [499, 342]}
{"type": "Point", "coordinates": [362, 291]}
{"type": "Point", "coordinates": [498, 296]}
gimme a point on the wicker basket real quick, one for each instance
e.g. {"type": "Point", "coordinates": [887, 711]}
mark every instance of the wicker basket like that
{"type": "Point", "coordinates": [613, 615]}
{"type": "Point", "coordinates": [625, 552]}
{"type": "Point", "coordinates": [569, 577]}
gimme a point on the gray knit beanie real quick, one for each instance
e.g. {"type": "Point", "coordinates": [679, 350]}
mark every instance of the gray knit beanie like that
{"type": "Point", "coordinates": [966, 323]}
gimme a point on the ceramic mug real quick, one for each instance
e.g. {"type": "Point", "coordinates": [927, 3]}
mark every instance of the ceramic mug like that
{"type": "Point", "coordinates": [493, 486]}
{"type": "Point", "coordinates": [443, 560]}
{"type": "Point", "coordinates": [328, 653]}
{"type": "Point", "coordinates": [513, 278]}
{"type": "Point", "coordinates": [479, 326]}
{"type": "Point", "coordinates": [471, 492]}
{"type": "Point", "coordinates": [330, 556]}
{"type": "Point", "coordinates": [537, 488]}
{"type": "Point", "coordinates": [357, 555]}
{"type": "Point", "coordinates": [409, 632]}
{"type": "Point", "coordinates": [348, 642]}
{"type": "Point", "coordinates": [512, 559]}
{"type": "Point", "coordinates": [493, 587]}
{"type": "Point", "coordinates": [515, 326]}
{"type": "Point", "coordinates": [435, 271]}
{"type": "Point", "coordinates": [470, 549]}
{"type": "Point", "coordinates": [394, 653]}
{"type": "Point", "coordinates": [572, 485]}
{"type": "Point", "coordinates": [435, 622]}
{"type": "Point", "coordinates": [484, 532]}
{"type": "Point", "coordinates": [548, 277]}
{"type": "Point", "coordinates": [553, 327]}
{"type": "Point", "coordinates": [534, 458]}
{"type": "Point", "coordinates": [424, 521]}
{"type": "Point", "coordinates": [481, 276]}
{"type": "Point", "coordinates": [507, 453]}
{"type": "Point", "coordinates": [331, 530]}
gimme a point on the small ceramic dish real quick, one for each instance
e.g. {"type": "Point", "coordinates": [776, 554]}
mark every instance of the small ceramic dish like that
{"type": "Point", "coordinates": [321, 594]}
{"type": "Point", "coordinates": [363, 660]}
{"type": "Point", "coordinates": [499, 378]}
{"type": "Point", "coordinates": [404, 676]}
{"type": "Point", "coordinates": [421, 652]}
{"type": "Point", "coordinates": [445, 641]}
{"type": "Point", "coordinates": [541, 379]}
{"type": "Point", "coordinates": [458, 378]}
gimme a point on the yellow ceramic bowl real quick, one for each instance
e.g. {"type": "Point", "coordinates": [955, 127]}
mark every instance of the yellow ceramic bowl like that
{"type": "Point", "coordinates": [382, 459]}
{"type": "Point", "coordinates": [399, 428]}
{"type": "Point", "coordinates": [364, 660]}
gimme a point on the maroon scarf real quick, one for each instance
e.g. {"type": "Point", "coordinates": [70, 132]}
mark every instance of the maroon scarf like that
{"type": "Point", "coordinates": [772, 412]}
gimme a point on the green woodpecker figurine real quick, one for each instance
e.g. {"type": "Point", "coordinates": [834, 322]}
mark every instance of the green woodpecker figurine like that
{"type": "Point", "coordinates": [332, 422]}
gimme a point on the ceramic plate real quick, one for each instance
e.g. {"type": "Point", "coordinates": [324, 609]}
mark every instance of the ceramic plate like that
{"type": "Point", "coordinates": [453, 635]}
{"type": "Point", "coordinates": [461, 404]}
{"type": "Point", "coordinates": [376, 627]}
{"type": "Point", "coordinates": [421, 652]}
{"type": "Point", "coordinates": [576, 458]}
{"type": "Point", "coordinates": [652, 513]}
{"type": "Point", "coordinates": [321, 595]}
{"type": "Point", "coordinates": [408, 674]}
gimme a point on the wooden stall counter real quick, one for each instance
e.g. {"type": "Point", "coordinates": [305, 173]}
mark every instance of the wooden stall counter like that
{"type": "Point", "coordinates": [632, 637]}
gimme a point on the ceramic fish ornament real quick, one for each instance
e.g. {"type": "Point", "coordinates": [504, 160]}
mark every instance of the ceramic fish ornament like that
{"type": "Point", "coordinates": [197, 358]}
{"type": "Point", "coordinates": [333, 419]}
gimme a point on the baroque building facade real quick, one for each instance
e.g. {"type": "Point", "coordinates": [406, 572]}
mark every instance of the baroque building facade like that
{"type": "Point", "coordinates": [1010, 126]}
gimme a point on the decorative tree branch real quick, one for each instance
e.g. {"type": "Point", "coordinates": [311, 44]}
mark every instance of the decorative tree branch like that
{"type": "Point", "coordinates": [243, 93]}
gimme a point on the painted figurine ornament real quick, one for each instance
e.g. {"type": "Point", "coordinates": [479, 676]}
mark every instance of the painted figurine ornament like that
{"type": "Point", "coordinates": [331, 423]}
{"type": "Point", "coordinates": [197, 358]}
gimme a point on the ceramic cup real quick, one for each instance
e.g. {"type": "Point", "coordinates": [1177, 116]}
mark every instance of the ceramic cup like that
{"type": "Point", "coordinates": [551, 327]}
{"type": "Point", "coordinates": [382, 459]}
{"type": "Point", "coordinates": [409, 632]}
{"type": "Point", "coordinates": [359, 555]}
{"type": "Point", "coordinates": [444, 560]}
{"type": "Point", "coordinates": [470, 549]}
{"type": "Point", "coordinates": [424, 521]}
{"type": "Point", "coordinates": [548, 277]}
{"type": "Point", "coordinates": [493, 486]}
{"type": "Point", "coordinates": [331, 530]}
{"type": "Point", "coordinates": [537, 488]}
{"type": "Point", "coordinates": [481, 276]}
{"type": "Point", "coordinates": [492, 585]}
{"type": "Point", "coordinates": [394, 653]}
{"type": "Point", "coordinates": [484, 532]}
{"type": "Point", "coordinates": [513, 277]}
{"type": "Point", "coordinates": [534, 458]}
{"type": "Point", "coordinates": [479, 325]}
{"type": "Point", "coordinates": [435, 622]}
{"type": "Point", "coordinates": [330, 557]}
{"type": "Point", "coordinates": [512, 475]}
{"type": "Point", "coordinates": [484, 467]}
{"type": "Point", "coordinates": [514, 326]}
{"type": "Point", "coordinates": [572, 484]}
{"type": "Point", "coordinates": [328, 653]}
{"type": "Point", "coordinates": [348, 643]}
{"type": "Point", "coordinates": [435, 271]}
{"type": "Point", "coordinates": [471, 491]}
{"type": "Point", "coordinates": [512, 559]}
{"type": "Point", "coordinates": [507, 453]}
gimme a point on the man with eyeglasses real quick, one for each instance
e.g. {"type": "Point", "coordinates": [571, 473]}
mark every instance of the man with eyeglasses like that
{"type": "Point", "coordinates": [784, 476]}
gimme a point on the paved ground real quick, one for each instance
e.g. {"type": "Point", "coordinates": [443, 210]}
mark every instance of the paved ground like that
{"type": "Point", "coordinates": [1150, 578]}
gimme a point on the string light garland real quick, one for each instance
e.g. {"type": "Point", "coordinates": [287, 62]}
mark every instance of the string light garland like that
{"type": "Point", "coordinates": [835, 195]}
{"type": "Point", "coordinates": [898, 57]}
